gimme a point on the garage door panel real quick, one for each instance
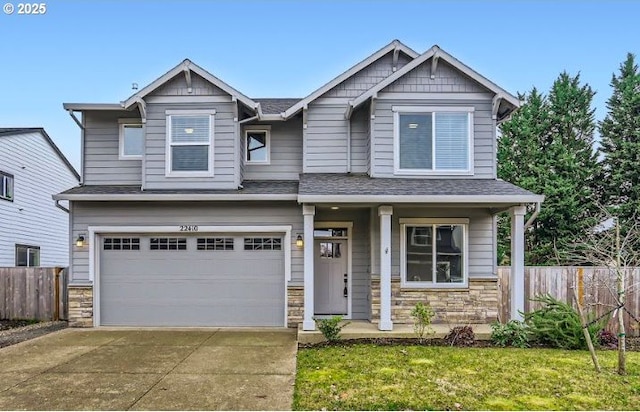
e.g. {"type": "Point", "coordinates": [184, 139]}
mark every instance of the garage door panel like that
{"type": "Point", "coordinates": [192, 287]}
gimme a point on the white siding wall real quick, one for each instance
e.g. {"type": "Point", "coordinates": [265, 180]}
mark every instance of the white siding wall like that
{"type": "Point", "coordinates": [286, 153]}
{"type": "Point", "coordinates": [101, 146]}
{"type": "Point", "coordinates": [32, 217]}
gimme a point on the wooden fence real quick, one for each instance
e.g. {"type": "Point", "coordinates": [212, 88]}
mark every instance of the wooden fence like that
{"type": "Point", "coordinates": [33, 293]}
{"type": "Point", "coordinates": [595, 286]}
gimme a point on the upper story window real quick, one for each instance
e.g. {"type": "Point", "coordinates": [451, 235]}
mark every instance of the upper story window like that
{"type": "Point", "coordinates": [6, 186]}
{"type": "Point", "coordinates": [27, 255]}
{"type": "Point", "coordinates": [257, 145]}
{"type": "Point", "coordinates": [189, 143]}
{"type": "Point", "coordinates": [131, 139]}
{"type": "Point", "coordinates": [433, 140]}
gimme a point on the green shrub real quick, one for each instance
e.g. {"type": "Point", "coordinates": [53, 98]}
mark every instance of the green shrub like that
{"type": "Point", "coordinates": [331, 327]}
{"type": "Point", "coordinates": [422, 315]}
{"type": "Point", "coordinates": [513, 333]}
{"type": "Point", "coordinates": [558, 325]}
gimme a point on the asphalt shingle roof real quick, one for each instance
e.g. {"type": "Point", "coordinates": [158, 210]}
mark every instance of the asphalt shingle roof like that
{"type": "Point", "coordinates": [276, 106]}
{"type": "Point", "coordinates": [358, 184]}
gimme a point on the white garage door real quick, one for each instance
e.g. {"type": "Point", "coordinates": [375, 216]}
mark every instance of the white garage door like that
{"type": "Point", "coordinates": [195, 280]}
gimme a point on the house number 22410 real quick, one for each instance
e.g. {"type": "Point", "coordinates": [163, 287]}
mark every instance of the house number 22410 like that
{"type": "Point", "coordinates": [189, 228]}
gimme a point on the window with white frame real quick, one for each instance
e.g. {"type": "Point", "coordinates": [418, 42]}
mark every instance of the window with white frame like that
{"type": "Point", "coordinates": [190, 143]}
{"type": "Point", "coordinates": [433, 253]}
{"type": "Point", "coordinates": [6, 186]}
{"type": "Point", "coordinates": [433, 140]}
{"type": "Point", "coordinates": [257, 146]}
{"type": "Point", "coordinates": [28, 256]}
{"type": "Point", "coordinates": [131, 139]}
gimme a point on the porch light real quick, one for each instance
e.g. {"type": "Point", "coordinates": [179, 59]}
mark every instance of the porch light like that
{"type": "Point", "coordinates": [80, 241]}
{"type": "Point", "coordinates": [299, 241]}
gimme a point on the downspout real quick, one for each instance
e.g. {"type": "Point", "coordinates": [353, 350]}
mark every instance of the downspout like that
{"type": "Point", "coordinates": [349, 145]}
{"type": "Point", "coordinates": [59, 206]}
{"type": "Point", "coordinates": [533, 216]}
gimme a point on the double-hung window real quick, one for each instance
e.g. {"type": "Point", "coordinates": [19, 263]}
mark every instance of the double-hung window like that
{"type": "Point", "coordinates": [433, 140]}
{"type": "Point", "coordinates": [131, 139]}
{"type": "Point", "coordinates": [189, 150]}
{"type": "Point", "coordinates": [433, 253]}
{"type": "Point", "coordinates": [6, 186]}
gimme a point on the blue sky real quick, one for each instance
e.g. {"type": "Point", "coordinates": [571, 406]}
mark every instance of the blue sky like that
{"type": "Point", "coordinates": [91, 51]}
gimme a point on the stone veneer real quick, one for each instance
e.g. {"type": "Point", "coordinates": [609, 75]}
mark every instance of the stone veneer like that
{"type": "Point", "coordinates": [295, 305]}
{"type": "Point", "coordinates": [80, 306]}
{"type": "Point", "coordinates": [477, 304]}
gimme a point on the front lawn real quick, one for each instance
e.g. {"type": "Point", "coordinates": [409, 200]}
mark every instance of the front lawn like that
{"type": "Point", "coordinates": [421, 377]}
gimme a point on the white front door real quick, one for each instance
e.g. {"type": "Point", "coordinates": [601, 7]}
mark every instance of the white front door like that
{"type": "Point", "coordinates": [331, 276]}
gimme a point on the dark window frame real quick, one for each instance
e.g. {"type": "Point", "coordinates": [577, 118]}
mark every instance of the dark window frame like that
{"type": "Point", "coordinates": [168, 243]}
{"type": "Point", "coordinates": [215, 243]}
{"type": "Point", "coordinates": [121, 243]}
{"type": "Point", "coordinates": [7, 190]}
{"type": "Point", "coordinates": [262, 243]}
{"type": "Point", "coordinates": [27, 249]}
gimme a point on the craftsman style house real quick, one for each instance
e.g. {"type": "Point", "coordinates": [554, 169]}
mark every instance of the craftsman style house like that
{"type": "Point", "coordinates": [200, 206]}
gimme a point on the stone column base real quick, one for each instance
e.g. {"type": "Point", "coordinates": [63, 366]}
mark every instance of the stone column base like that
{"type": "Point", "coordinates": [80, 306]}
{"type": "Point", "coordinates": [295, 306]}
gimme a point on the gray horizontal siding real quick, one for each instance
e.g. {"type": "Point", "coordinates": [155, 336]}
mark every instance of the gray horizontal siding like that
{"type": "Point", "coordinates": [360, 282]}
{"type": "Point", "coordinates": [481, 239]}
{"type": "Point", "coordinates": [225, 159]}
{"type": "Point", "coordinates": [360, 149]}
{"type": "Point", "coordinates": [286, 153]}
{"type": "Point", "coordinates": [483, 139]}
{"type": "Point", "coordinates": [367, 77]}
{"type": "Point", "coordinates": [101, 150]}
{"type": "Point", "coordinates": [326, 139]}
{"type": "Point", "coordinates": [162, 214]}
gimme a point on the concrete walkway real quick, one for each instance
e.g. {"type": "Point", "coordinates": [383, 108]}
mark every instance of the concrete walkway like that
{"type": "Point", "coordinates": [203, 369]}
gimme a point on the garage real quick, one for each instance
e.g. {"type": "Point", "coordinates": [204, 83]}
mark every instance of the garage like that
{"type": "Point", "coordinates": [182, 280]}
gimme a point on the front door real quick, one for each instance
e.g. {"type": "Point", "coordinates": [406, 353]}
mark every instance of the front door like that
{"type": "Point", "coordinates": [331, 278]}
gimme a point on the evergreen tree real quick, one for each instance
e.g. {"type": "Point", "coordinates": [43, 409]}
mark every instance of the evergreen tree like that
{"type": "Point", "coordinates": [547, 148]}
{"type": "Point", "coordinates": [620, 145]}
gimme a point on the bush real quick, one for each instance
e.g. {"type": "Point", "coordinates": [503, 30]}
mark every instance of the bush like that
{"type": "Point", "coordinates": [460, 336]}
{"type": "Point", "coordinates": [331, 328]}
{"type": "Point", "coordinates": [558, 325]}
{"type": "Point", "coordinates": [607, 340]}
{"type": "Point", "coordinates": [513, 333]}
{"type": "Point", "coordinates": [422, 315]}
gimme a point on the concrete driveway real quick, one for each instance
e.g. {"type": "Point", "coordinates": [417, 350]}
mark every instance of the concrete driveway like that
{"type": "Point", "coordinates": [201, 369]}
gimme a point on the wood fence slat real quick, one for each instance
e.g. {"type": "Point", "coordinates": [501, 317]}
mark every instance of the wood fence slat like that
{"type": "Point", "coordinates": [27, 293]}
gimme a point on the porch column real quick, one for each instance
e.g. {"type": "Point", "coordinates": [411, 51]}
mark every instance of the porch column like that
{"type": "Point", "coordinates": [385, 213]}
{"type": "Point", "coordinates": [308, 211]}
{"type": "Point", "coordinates": [516, 281]}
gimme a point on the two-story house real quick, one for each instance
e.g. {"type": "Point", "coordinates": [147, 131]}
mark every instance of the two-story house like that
{"type": "Point", "coordinates": [200, 206]}
{"type": "Point", "coordinates": [34, 230]}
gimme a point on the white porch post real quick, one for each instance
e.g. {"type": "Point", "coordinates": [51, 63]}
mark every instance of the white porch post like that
{"type": "Point", "coordinates": [385, 213]}
{"type": "Point", "coordinates": [308, 211]}
{"type": "Point", "coordinates": [516, 280]}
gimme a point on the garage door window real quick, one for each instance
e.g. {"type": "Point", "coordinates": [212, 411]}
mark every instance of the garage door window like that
{"type": "Point", "coordinates": [262, 243]}
{"type": "Point", "coordinates": [121, 243]}
{"type": "Point", "coordinates": [215, 243]}
{"type": "Point", "coordinates": [168, 243]}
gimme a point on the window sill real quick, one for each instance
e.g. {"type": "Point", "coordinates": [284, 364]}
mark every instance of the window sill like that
{"type": "Point", "coordinates": [251, 163]}
{"type": "Point", "coordinates": [129, 157]}
{"type": "Point", "coordinates": [189, 174]}
{"type": "Point", "coordinates": [436, 287]}
{"type": "Point", "coordinates": [417, 172]}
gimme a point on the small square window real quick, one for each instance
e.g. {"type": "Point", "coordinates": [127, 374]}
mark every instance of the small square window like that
{"type": "Point", "coordinates": [6, 186]}
{"type": "Point", "coordinates": [28, 256]}
{"type": "Point", "coordinates": [131, 141]}
{"type": "Point", "coordinates": [257, 146]}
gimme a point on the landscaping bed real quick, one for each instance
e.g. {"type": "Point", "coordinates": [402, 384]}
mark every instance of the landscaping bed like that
{"type": "Point", "coordinates": [16, 331]}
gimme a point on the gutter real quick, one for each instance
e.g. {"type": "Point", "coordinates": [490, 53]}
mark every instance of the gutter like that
{"type": "Point", "coordinates": [59, 206]}
{"type": "Point", "coordinates": [174, 197]}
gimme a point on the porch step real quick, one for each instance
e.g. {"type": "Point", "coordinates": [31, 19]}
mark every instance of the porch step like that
{"type": "Point", "coordinates": [363, 329]}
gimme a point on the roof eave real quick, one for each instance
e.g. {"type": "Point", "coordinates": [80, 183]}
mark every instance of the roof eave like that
{"type": "Point", "coordinates": [81, 107]}
{"type": "Point", "coordinates": [172, 197]}
{"type": "Point", "coordinates": [440, 199]}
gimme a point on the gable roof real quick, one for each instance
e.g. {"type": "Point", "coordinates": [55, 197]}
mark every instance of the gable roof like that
{"type": "Point", "coordinates": [186, 66]}
{"type": "Point", "coordinates": [276, 105]}
{"type": "Point", "coordinates": [396, 44]}
{"type": "Point", "coordinates": [437, 52]}
{"type": "Point", "coordinates": [12, 131]}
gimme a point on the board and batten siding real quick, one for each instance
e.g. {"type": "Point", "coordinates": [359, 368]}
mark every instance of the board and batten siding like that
{"type": "Point", "coordinates": [367, 77]}
{"type": "Point", "coordinates": [32, 218]}
{"type": "Point", "coordinates": [484, 136]}
{"type": "Point", "coordinates": [360, 282]}
{"type": "Point", "coordinates": [285, 156]}
{"type": "Point", "coordinates": [87, 214]}
{"type": "Point", "coordinates": [102, 165]}
{"type": "Point", "coordinates": [225, 160]}
{"type": "Point", "coordinates": [481, 247]}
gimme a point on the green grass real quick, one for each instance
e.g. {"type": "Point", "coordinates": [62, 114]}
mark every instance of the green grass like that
{"type": "Point", "coordinates": [368, 377]}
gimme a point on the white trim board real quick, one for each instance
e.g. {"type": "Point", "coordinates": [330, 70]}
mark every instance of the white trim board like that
{"type": "Point", "coordinates": [94, 255]}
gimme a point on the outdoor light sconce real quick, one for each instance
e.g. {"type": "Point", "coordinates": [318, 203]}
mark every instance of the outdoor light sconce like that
{"type": "Point", "coordinates": [80, 241]}
{"type": "Point", "coordinates": [299, 241]}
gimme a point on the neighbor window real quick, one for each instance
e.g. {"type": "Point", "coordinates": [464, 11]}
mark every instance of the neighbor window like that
{"type": "Point", "coordinates": [6, 186]}
{"type": "Point", "coordinates": [433, 253]}
{"type": "Point", "coordinates": [131, 140]}
{"type": "Point", "coordinates": [189, 144]}
{"type": "Point", "coordinates": [257, 146]}
{"type": "Point", "coordinates": [432, 140]}
{"type": "Point", "coordinates": [27, 255]}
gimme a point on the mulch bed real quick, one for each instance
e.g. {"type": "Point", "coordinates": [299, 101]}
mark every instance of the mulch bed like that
{"type": "Point", "coordinates": [16, 331]}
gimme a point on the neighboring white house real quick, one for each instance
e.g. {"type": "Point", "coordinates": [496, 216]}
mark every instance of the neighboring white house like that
{"type": "Point", "coordinates": [33, 230]}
